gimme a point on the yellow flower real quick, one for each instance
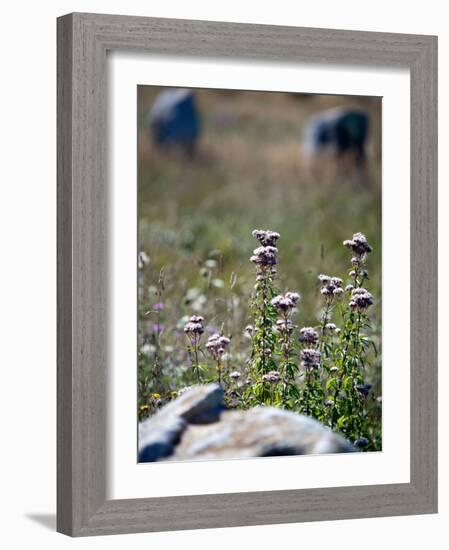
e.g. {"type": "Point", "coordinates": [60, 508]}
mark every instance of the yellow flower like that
{"type": "Point", "coordinates": [155, 395]}
{"type": "Point", "coordinates": [143, 408]}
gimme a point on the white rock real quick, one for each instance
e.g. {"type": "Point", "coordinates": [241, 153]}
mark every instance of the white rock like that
{"type": "Point", "coordinates": [261, 431]}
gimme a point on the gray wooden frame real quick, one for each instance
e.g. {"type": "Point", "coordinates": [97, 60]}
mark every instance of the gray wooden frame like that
{"type": "Point", "coordinates": [83, 40]}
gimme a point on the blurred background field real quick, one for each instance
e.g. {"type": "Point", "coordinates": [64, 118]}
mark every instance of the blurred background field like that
{"type": "Point", "coordinates": [196, 215]}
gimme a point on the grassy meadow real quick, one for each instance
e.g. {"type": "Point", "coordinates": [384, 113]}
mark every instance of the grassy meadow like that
{"type": "Point", "coordinates": [196, 217]}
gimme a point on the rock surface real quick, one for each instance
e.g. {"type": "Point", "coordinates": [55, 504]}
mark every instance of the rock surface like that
{"type": "Point", "coordinates": [159, 434]}
{"type": "Point", "coordinates": [196, 426]}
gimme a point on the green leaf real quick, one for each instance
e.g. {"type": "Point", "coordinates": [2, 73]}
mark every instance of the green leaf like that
{"type": "Point", "coordinates": [348, 383]}
{"type": "Point", "coordinates": [341, 422]}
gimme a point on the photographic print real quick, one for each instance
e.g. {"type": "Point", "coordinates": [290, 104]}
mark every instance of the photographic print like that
{"type": "Point", "coordinates": [259, 274]}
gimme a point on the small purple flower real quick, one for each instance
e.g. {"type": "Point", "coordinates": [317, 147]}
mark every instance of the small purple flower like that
{"type": "Point", "coordinates": [359, 245]}
{"type": "Point", "coordinates": [272, 377]}
{"type": "Point", "coordinates": [217, 344]}
{"type": "Point", "coordinates": [266, 237]}
{"type": "Point", "coordinates": [310, 357]}
{"type": "Point", "coordinates": [159, 306]}
{"type": "Point", "coordinates": [308, 335]}
{"type": "Point", "coordinates": [285, 303]}
{"type": "Point", "coordinates": [361, 299]}
{"type": "Point", "coordinates": [194, 326]}
{"type": "Point", "coordinates": [265, 255]}
{"type": "Point", "coordinates": [157, 328]}
{"type": "Point", "coordinates": [249, 329]}
{"type": "Point", "coordinates": [331, 287]}
{"type": "Point", "coordinates": [142, 259]}
{"type": "Point", "coordinates": [284, 325]}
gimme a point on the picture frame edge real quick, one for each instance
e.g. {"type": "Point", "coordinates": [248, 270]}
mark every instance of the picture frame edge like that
{"type": "Point", "coordinates": [82, 508]}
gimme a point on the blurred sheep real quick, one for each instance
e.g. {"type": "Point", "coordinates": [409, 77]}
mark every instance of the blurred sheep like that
{"type": "Point", "coordinates": [340, 133]}
{"type": "Point", "coordinates": [173, 121]}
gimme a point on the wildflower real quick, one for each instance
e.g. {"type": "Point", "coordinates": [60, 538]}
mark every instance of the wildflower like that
{"type": "Point", "coordinates": [199, 303]}
{"type": "Point", "coordinates": [328, 402]}
{"type": "Point", "coordinates": [284, 325]}
{"type": "Point", "coordinates": [216, 345]}
{"type": "Point", "coordinates": [196, 319]}
{"type": "Point", "coordinates": [249, 329]}
{"type": "Point", "coordinates": [265, 258]}
{"type": "Point", "coordinates": [193, 329]}
{"type": "Point", "coordinates": [142, 260]}
{"type": "Point", "coordinates": [359, 245]}
{"type": "Point", "coordinates": [331, 327]}
{"type": "Point", "coordinates": [156, 395]}
{"type": "Point", "coordinates": [148, 349]}
{"type": "Point", "coordinates": [331, 287]}
{"type": "Point", "coordinates": [348, 288]}
{"type": "Point", "coordinates": [272, 377]}
{"type": "Point", "coordinates": [361, 299]}
{"type": "Point", "coordinates": [308, 335]}
{"type": "Point", "coordinates": [293, 296]}
{"type": "Point", "coordinates": [310, 357]}
{"type": "Point", "coordinates": [266, 237]}
{"type": "Point", "coordinates": [191, 295]}
{"type": "Point", "coordinates": [194, 325]}
{"type": "Point", "coordinates": [211, 264]}
{"type": "Point", "coordinates": [324, 279]}
{"type": "Point", "coordinates": [143, 408]}
{"type": "Point", "coordinates": [157, 328]}
{"type": "Point", "coordinates": [159, 306]}
{"type": "Point", "coordinates": [285, 303]}
{"type": "Point", "coordinates": [265, 255]}
{"type": "Point", "coordinates": [235, 375]}
{"type": "Point", "coordinates": [333, 369]}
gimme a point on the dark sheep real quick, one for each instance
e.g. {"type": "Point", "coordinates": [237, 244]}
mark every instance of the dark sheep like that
{"type": "Point", "coordinates": [174, 120]}
{"type": "Point", "coordinates": [338, 131]}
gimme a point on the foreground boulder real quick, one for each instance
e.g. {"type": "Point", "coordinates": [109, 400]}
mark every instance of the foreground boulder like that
{"type": "Point", "coordinates": [159, 434]}
{"type": "Point", "coordinates": [196, 426]}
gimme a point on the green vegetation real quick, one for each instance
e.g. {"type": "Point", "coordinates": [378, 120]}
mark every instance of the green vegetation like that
{"type": "Point", "coordinates": [196, 217]}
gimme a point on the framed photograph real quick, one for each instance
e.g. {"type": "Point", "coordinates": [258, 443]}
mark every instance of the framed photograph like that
{"type": "Point", "coordinates": [247, 288]}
